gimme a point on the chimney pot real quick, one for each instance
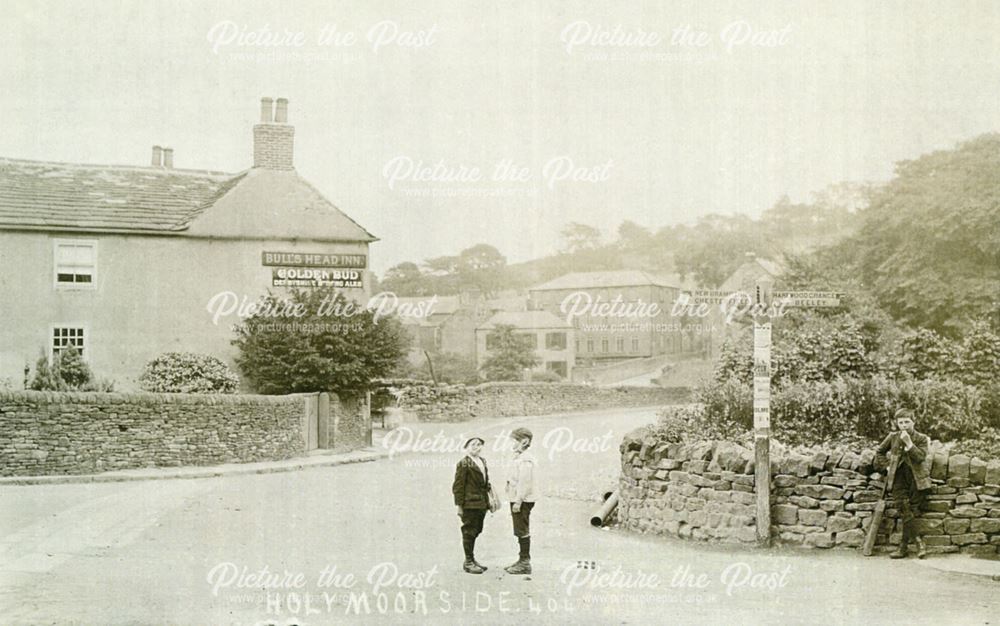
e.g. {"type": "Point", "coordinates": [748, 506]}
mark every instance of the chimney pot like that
{"type": "Point", "coordinates": [281, 111]}
{"type": "Point", "coordinates": [168, 158]}
{"type": "Point", "coordinates": [157, 156]}
{"type": "Point", "coordinates": [274, 139]}
{"type": "Point", "coordinates": [266, 111]}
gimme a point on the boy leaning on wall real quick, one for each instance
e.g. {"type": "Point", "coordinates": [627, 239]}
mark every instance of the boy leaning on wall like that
{"type": "Point", "coordinates": [522, 495]}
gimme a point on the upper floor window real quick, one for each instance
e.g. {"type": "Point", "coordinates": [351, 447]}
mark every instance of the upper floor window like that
{"type": "Point", "coordinates": [555, 341]}
{"type": "Point", "coordinates": [75, 263]}
{"type": "Point", "coordinates": [528, 339]}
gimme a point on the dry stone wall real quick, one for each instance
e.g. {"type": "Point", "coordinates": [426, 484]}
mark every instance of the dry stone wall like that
{"type": "Point", "coordinates": [79, 433]}
{"type": "Point", "coordinates": [823, 498]}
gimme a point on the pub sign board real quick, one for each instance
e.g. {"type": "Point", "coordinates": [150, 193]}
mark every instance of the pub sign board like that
{"type": "Point", "coordinates": [316, 277]}
{"type": "Point", "coordinates": [315, 269]}
{"type": "Point", "coordinates": [313, 259]}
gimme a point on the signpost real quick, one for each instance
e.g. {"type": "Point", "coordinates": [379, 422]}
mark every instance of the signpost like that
{"type": "Point", "coordinates": [762, 411]}
{"type": "Point", "coordinates": [765, 302]}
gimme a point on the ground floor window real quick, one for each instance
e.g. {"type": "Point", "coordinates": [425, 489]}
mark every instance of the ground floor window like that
{"type": "Point", "coordinates": [64, 337]}
{"type": "Point", "coordinates": [559, 367]}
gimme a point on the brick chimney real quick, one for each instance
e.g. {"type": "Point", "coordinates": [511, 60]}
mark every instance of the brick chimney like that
{"type": "Point", "coordinates": [273, 136]}
{"type": "Point", "coordinates": [168, 158]}
{"type": "Point", "coordinates": [157, 160]}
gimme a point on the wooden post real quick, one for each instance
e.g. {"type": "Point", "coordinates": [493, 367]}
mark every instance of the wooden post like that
{"type": "Point", "coordinates": [766, 304]}
{"type": "Point", "coordinates": [762, 410]}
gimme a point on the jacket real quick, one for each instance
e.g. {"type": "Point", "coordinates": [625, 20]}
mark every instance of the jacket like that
{"type": "Point", "coordinates": [521, 483]}
{"type": "Point", "coordinates": [917, 458]}
{"type": "Point", "coordinates": [471, 486]}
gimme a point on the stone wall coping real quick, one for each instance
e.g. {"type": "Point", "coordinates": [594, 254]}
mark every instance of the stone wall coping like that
{"type": "Point", "coordinates": [513, 384]}
{"type": "Point", "coordinates": [144, 398]}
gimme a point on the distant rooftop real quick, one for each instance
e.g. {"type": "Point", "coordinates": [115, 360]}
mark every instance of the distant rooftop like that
{"type": "Point", "coordinates": [598, 280]}
{"type": "Point", "coordinates": [525, 319]}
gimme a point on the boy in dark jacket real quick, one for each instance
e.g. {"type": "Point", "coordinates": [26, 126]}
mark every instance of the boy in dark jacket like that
{"type": "Point", "coordinates": [912, 477]}
{"type": "Point", "coordinates": [471, 491]}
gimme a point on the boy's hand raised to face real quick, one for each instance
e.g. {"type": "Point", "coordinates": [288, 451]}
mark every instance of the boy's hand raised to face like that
{"type": "Point", "coordinates": [905, 438]}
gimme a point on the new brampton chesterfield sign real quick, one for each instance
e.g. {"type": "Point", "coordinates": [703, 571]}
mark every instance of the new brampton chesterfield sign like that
{"type": "Point", "coordinates": [304, 269]}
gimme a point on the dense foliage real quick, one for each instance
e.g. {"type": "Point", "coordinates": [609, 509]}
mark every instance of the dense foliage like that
{"type": "Point", "coordinates": [930, 244]}
{"type": "Point", "coordinates": [67, 372]}
{"type": "Point", "coordinates": [188, 372]}
{"type": "Point", "coordinates": [509, 355]}
{"type": "Point", "coordinates": [334, 345]}
{"type": "Point", "coordinates": [449, 367]}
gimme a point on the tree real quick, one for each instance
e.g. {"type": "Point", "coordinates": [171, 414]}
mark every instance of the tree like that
{"type": "Point", "coordinates": [509, 355]}
{"type": "Point", "coordinates": [481, 267]}
{"type": "Point", "coordinates": [334, 345]}
{"type": "Point", "coordinates": [631, 235]}
{"type": "Point", "coordinates": [578, 237]}
{"type": "Point", "coordinates": [406, 279]}
{"type": "Point", "coordinates": [930, 243]}
{"type": "Point", "coordinates": [714, 248]}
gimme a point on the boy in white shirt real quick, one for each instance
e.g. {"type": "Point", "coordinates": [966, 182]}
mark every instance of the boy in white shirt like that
{"type": "Point", "coordinates": [521, 494]}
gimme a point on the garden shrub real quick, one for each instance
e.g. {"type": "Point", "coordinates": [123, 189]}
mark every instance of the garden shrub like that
{"type": "Point", "coordinates": [946, 409]}
{"type": "Point", "coordinates": [68, 372]}
{"type": "Point", "coordinates": [980, 356]}
{"type": "Point", "coordinates": [851, 409]}
{"type": "Point", "coordinates": [545, 377]}
{"type": "Point", "coordinates": [188, 372]}
{"type": "Point", "coordinates": [729, 402]}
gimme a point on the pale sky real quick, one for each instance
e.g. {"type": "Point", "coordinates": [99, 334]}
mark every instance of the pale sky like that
{"type": "Point", "coordinates": [666, 131]}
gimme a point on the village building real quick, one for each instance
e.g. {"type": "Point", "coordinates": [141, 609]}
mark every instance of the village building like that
{"type": "Point", "coordinates": [126, 262]}
{"type": "Point", "coordinates": [450, 323]}
{"type": "Point", "coordinates": [753, 269]}
{"type": "Point", "coordinates": [551, 338]}
{"type": "Point", "coordinates": [618, 315]}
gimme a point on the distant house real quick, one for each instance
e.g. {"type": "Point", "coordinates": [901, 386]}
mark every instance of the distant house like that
{"type": "Point", "coordinates": [551, 338]}
{"type": "Point", "coordinates": [752, 270]}
{"type": "Point", "coordinates": [452, 322]}
{"type": "Point", "coordinates": [625, 313]}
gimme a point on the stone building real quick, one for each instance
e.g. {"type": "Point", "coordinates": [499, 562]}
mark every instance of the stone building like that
{"type": "Point", "coordinates": [623, 314]}
{"type": "Point", "coordinates": [551, 338]}
{"type": "Point", "coordinates": [125, 262]}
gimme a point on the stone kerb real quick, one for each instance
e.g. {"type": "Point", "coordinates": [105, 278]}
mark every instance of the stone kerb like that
{"type": "Point", "coordinates": [821, 498]}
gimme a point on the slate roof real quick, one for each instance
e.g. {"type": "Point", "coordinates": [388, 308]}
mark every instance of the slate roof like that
{"type": "Point", "coordinates": [599, 280]}
{"type": "Point", "coordinates": [525, 320]}
{"type": "Point", "coordinates": [45, 195]}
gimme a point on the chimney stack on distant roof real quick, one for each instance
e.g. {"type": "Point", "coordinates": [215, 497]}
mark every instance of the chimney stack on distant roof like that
{"type": "Point", "coordinates": [168, 158]}
{"type": "Point", "coordinates": [273, 137]}
{"type": "Point", "coordinates": [157, 156]}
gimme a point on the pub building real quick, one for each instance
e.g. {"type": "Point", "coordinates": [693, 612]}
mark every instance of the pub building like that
{"type": "Point", "coordinates": [122, 261]}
